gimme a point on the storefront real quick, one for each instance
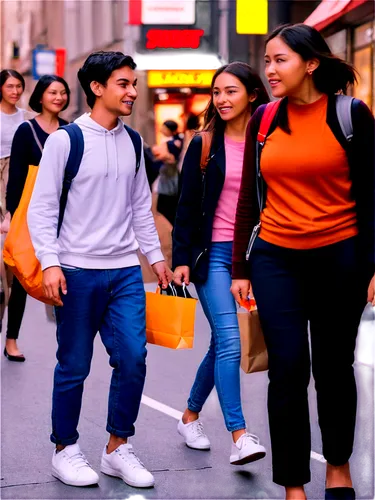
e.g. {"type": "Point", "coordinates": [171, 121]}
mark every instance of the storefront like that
{"type": "Point", "coordinates": [177, 94]}
{"type": "Point", "coordinates": [349, 28]}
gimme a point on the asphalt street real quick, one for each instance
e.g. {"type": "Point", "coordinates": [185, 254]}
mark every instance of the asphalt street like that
{"type": "Point", "coordinates": [180, 473]}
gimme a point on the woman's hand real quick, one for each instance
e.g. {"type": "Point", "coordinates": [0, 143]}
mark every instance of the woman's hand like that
{"type": "Point", "coordinates": [371, 291]}
{"type": "Point", "coordinates": [181, 275]}
{"type": "Point", "coordinates": [240, 290]}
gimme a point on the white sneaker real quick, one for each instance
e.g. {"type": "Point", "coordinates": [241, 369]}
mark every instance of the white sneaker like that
{"type": "Point", "coordinates": [246, 449]}
{"type": "Point", "coordinates": [194, 435]}
{"type": "Point", "coordinates": [71, 467]}
{"type": "Point", "coordinates": [124, 463]}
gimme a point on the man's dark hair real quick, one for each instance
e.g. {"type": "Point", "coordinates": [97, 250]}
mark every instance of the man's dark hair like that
{"type": "Point", "coordinates": [98, 67]}
{"type": "Point", "coordinates": [42, 85]}
{"type": "Point", "coordinates": [171, 125]}
{"type": "Point", "coordinates": [8, 73]}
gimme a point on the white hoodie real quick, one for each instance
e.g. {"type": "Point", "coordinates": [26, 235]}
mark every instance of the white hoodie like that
{"type": "Point", "coordinates": [108, 213]}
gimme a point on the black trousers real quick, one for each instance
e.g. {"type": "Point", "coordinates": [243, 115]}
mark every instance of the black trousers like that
{"type": "Point", "coordinates": [327, 287]}
{"type": "Point", "coordinates": [16, 309]}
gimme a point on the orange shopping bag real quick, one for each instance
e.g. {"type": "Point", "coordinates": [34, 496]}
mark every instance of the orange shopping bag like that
{"type": "Point", "coordinates": [170, 320]}
{"type": "Point", "coordinates": [19, 253]}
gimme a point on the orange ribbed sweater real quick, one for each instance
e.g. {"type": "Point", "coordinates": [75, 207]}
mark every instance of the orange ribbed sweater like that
{"type": "Point", "coordinates": [309, 202]}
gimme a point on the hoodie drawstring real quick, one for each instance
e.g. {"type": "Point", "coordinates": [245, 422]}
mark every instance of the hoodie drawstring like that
{"type": "Point", "coordinates": [106, 154]}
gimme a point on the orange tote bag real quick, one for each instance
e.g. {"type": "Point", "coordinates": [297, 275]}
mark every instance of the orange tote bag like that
{"type": "Point", "coordinates": [19, 253]}
{"type": "Point", "coordinates": [170, 320]}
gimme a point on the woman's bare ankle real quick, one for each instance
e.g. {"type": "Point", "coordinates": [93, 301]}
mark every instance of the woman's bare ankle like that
{"type": "Point", "coordinates": [295, 493]}
{"type": "Point", "coordinates": [189, 416]}
{"type": "Point", "coordinates": [338, 476]}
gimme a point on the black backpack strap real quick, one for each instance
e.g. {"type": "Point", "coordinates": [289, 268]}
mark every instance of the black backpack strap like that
{"type": "Point", "coordinates": [137, 143]}
{"type": "Point", "coordinates": [344, 115]}
{"type": "Point", "coordinates": [72, 166]}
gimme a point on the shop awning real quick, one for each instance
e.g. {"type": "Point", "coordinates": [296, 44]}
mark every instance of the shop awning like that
{"type": "Point", "coordinates": [329, 11]}
{"type": "Point", "coordinates": [170, 60]}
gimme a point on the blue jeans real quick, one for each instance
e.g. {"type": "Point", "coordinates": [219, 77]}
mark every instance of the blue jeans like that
{"type": "Point", "coordinates": [221, 365]}
{"type": "Point", "coordinates": [113, 303]}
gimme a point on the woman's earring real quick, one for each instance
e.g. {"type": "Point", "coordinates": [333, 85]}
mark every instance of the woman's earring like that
{"type": "Point", "coordinates": [310, 72]}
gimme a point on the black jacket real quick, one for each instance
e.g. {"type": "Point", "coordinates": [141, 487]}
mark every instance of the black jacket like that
{"type": "Point", "coordinates": [25, 151]}
{"type": "Point", "coordinates": [192, 232]}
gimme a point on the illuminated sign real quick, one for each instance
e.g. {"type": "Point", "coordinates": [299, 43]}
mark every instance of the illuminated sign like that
{"type": "Point", "coordinates": [180, 78]}
{"type": "Point", "coordinates": [161, 12]}
{"type": "Point", "coordinates": [173, 39]}
{"type": "Point", "coordinates": [252, 17]}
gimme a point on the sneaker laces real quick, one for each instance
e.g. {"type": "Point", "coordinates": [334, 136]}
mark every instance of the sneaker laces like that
{"type": "Point", "coordinates": [242, 439]}
{"type": "Point", "coordinates": [130, 457]}
{"type": "Point", "coordinates": [197, 428]}
{"type": "Point", "coordinates": [78, 460]}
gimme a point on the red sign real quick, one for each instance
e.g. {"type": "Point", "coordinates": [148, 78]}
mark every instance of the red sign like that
{"type": "Point", "coordinates": [173, 39]}
{"type": "Point", "coordinates": [60, 61]}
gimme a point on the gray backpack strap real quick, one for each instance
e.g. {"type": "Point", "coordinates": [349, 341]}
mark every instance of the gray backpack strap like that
{"type": "Point", "coordinates": [344, 115]}
{"type": "Point", "coordinates": [35, 136]}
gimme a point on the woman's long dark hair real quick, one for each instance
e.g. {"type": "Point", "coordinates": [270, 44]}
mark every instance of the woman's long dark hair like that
{"type": "Point", "coordinates": [333, 74]}
{"type": "Point", "coordinates": [253, 84]}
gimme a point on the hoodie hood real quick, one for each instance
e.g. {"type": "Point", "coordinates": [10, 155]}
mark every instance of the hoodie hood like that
{"type": "Point", "coordinates": [108, 138]}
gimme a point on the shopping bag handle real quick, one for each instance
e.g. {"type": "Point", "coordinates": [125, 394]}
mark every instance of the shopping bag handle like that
{"type": "Point", "coordinates": [181, 292]}
{"type": "Point", "coordinates": [169, 291]}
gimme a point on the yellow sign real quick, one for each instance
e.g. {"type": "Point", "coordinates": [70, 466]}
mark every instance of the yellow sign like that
{"type": "Point", "coordinates": [180, 78]}
{"type": "Point", "coordinates": [252, 17]}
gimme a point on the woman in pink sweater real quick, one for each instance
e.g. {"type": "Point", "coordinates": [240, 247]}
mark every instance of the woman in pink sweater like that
{"type": "Point", "coordinates": [202, 252]}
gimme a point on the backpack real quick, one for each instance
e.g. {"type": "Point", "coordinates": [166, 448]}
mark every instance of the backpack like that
{"type": "Point", "coordinates": [19, 252]}
{"type": "Point", "coordinates": [344, 116]}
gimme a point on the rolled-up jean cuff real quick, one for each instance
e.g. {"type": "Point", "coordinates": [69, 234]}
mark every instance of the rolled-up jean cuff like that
{"type": "Point", "coordinates": [64, 442]}
{"type": "Point", "coordinates": [120, 434]}
{"type": "Point", "coordinates": [237, 428]}
{"type": "Point", "coordinates": [195, 409]}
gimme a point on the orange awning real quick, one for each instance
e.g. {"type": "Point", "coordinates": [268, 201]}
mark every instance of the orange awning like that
{"type": "Point", "coordinates": [329, 11]}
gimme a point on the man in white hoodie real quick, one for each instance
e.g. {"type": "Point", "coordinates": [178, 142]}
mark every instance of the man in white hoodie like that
{"type": "Point", "coordinates": [91, 270]}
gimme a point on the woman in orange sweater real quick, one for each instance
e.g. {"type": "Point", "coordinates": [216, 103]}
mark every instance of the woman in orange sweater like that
{"type": "Point", "coordinates": [313, 258]}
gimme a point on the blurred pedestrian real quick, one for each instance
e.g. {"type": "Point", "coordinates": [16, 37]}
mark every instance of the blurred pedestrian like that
{"type": "Point", "coordinates": [314, 256]}
{"type": "Point", "coordinates": [49, 98]}
{"type": "Point", "coordinates": [202, 252]}
{"type": "Point", "coordinates": [168, 152]}
{"type": "Point", "coordinates": [192, 126]}
{"type": "Point", "coordinates": [92, 271]}
{"type": "Point", "coordinates": [12, 86]}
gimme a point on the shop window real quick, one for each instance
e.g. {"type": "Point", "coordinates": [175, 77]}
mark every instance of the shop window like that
{"type": "Point", "coordinates": [363, 60]}
{"type": "Point", "coordinates": [364, 35]}
{"type": "Point", "coordinates": [338, 44]}
{"type": "Point", "coordinates": [363, 63]}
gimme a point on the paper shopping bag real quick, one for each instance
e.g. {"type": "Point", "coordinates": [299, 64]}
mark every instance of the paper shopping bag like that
{"type": "Point", "coordinates": [254, 356]}
{"type": "Point", "coordinates": [170, 320]}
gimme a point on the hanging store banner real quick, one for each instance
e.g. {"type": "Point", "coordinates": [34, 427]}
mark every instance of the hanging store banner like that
{"type": "Point", "coordinates": [162, 12]}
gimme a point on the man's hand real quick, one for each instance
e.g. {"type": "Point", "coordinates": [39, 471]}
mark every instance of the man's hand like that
{"type": "Point", "coordinates": [53, 280]}
{"type": "Point", "coordinates": [181, 275]}
{"type": "Point", "coordinates": [240, 290]}
{"type": "Point", "coordinates": [163, 273]}
{"type": "Point", "coordinates": [371, 291]}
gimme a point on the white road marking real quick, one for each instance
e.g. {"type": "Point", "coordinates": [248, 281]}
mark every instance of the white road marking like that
{"type": "Point", "coordinates": [167, 410]}
{"type": "Point", "coordinates": [152, 403]}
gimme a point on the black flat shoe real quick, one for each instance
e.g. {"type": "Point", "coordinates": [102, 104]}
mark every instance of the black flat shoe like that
{"type": "Point", "coordinates": [343, 493]}
{"type": "Point", "coordinates": [19, 359]}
